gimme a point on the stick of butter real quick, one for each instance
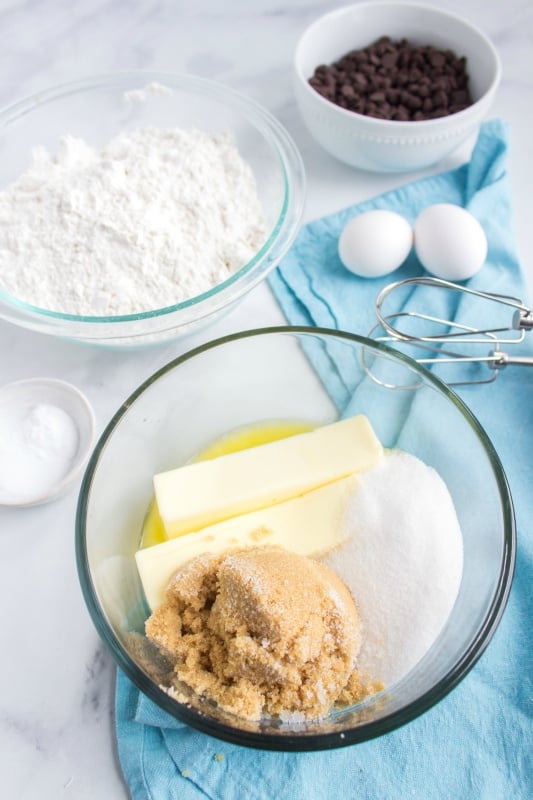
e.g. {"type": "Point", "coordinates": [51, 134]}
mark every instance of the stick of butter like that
{"type": "Point", "coordinates": [206, 492]}
{"type": "Point", "coordinates": [309, 525]}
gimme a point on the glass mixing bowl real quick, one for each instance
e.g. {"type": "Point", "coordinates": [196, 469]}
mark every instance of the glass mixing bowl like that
{"type": "Point", "coordinates": [99, 108]}
{"type": "Point", "coordinates": [307, 375]}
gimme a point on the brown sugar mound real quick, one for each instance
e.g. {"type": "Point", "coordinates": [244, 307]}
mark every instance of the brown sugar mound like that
{"type": "Point", "coordinates": [261, 631]}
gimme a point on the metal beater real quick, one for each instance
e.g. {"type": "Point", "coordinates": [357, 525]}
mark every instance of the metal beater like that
{"type": "Point", "coordinates": [419, 329]}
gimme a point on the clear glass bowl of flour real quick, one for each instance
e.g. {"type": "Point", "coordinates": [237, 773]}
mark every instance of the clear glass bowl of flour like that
{"type": "Point", "coordinates": [70, 120]}
{"type": "Point", "coordinates": [314, 377]}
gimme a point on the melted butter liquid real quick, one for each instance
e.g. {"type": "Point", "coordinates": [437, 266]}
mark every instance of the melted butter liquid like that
{"type": "Point", "coordinates": [153, 531]}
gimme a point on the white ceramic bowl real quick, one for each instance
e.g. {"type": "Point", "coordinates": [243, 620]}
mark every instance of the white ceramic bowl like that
{"type": "Point", "coordinates": [385, 145]}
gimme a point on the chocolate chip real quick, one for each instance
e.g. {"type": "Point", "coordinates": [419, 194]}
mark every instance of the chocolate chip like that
{"type": "Point", "coordinates": [359, 80]}
{"type": "Point", "coordinates": [402, 78]}
{"type": "Point", "coordinates": [348, 91]}
{"type": "Point", "coordinates": [413, 102]}
{"type": "Point", "coordinates": [402, 114]}
{"type": "Point", "coordinates": [459, 98]}
{"type": "Point", "coordinates": [442, 82]}
{"type": "Point", "coordinates": [393, 96]}
{"type": "Point", "coordinates": [437, 59]}
{"type": "Point", "coordinates": [440, 98]}
{"type": "Point", "coordinates": [389, 59]}
{"type": "Point", "coordinates": [396, 80]}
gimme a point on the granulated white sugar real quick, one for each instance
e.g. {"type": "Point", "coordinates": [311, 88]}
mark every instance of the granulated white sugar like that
{"type": "Point", "coordinates": [403, 563]}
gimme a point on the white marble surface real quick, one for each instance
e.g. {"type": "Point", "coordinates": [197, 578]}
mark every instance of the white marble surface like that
{"type": "Point", "coordinates": [56, 701]}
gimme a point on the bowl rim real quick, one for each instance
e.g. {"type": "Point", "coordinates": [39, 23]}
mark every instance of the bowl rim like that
{"type": "Point", "coordinates": [303, 742]}
{"type": "Point", "coordinates": [461, 119]}
{"type": "Point", "coordinates": [283, 230]}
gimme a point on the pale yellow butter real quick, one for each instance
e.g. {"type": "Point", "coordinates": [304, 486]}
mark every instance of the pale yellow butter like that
{"type": "Point", "coordinates": [207, 492]}
{"type": "Point", "coordinates": [308, 525]}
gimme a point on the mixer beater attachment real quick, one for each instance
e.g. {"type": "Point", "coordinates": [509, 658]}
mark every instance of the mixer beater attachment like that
{"type": "Point", "coordinates": [434, 334]}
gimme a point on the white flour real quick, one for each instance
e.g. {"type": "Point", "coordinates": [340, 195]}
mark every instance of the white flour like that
{"type": "Point", "coordinates": [141, 95]}
{"type": "Point", "coordinates": [156, 217]}
{"type": "Point", "coordinates": [403, 563]}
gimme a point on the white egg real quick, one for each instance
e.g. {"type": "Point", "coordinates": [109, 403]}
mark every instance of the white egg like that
{"type": "Point", "coordinates": [449, 242]}
{"type": "Point", "coordinates": [375, 243]}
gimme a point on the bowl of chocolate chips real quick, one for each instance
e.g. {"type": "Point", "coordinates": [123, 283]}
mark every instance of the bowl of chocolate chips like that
{"type": "Point", "coordinates": [393, 87]}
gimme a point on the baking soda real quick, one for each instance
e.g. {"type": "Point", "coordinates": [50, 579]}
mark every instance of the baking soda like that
{"type": "Point", "coordinates": [403, 563]}
{"type": "Point", "coordinates": [37, 446]}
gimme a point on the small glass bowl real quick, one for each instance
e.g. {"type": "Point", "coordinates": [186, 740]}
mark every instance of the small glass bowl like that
{"type": "Point", "coordinates": [308, 375]}
{"type": "Point", "coordinates": [99, 108]}
{"type": "Point", "coordinates": [33, 392]}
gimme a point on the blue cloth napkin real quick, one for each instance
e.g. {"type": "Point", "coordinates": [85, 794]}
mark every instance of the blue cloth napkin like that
{"type": "Point", "coordinates": [475, 742]}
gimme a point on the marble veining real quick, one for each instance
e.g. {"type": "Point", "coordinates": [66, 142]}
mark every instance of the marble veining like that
{"type": "Point", "coordinates": [94, 699]}
{"type": "Point", "coordinates": [57, 679]}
